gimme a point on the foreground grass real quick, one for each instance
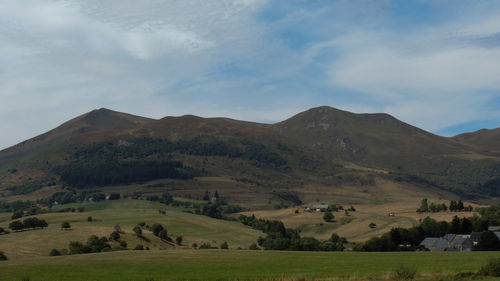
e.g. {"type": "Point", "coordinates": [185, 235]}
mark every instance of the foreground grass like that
{"type": "Point", "coordinates": [183, 264]}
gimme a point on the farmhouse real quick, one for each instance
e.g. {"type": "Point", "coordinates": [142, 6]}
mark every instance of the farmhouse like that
{"type": "Point", "coordinates": [448, 243]}
{"type": "Point", "coordinates": [317, 208]}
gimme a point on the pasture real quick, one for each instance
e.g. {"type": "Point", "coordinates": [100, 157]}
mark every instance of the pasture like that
{"type": "Point", "coordinates": [186, 264]}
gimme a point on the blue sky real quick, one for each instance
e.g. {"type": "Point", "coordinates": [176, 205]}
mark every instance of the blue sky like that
{"type": "Point", "coordinates": [433, 64]}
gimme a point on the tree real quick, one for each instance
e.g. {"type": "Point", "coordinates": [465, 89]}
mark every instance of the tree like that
{"type": "Point", "coordinates": [138, 231]}
{"type": "Point", "coordinates": [3, 257]}
{"type": "Point", "coordinates": [17, 215]}
{"type": "Point", "coordinates": [118, 228]}
{"type": "Point", "coordinates": [224, 245]}
{"type": "Point", "coordinates": [65, 225]}
{"type": "Point", "coordinates": [123, 244]}
{"type": "Point", "coordinates": [139, 247]}
{"type": "Point", "coordinates": [424, 207]}
{"type": "Point", "coordinates": [16, 225]}
{"type": "Point", "coordinates": [55, 252]}
{"type": "Point", "coordinates": [178, 240]}
{"type": "Point", "coordinates": [372, 225]}
{"type": "Point", "coordinates": [115, 235]}
{"type": "Point", "coordinates": [206, 197]}
{"type": "Point", "coordinates": [216, 195]}
{"type": "Point", "coordinates": [89, 219]}
{"type": "Point", "coordinates": [488, 241]}
{"type": "Point", "coordinates": [253, 246]}
{"type": "Point", "coordinates": [156, 228]}
{"type": "Point", "coordinates": [328, 216]}
{"type": "Point", "coordinates": [163, 234]}
{"type": "Point", "coordinates": [77, 247]}
{"type": "Point", "coordinates": [114, 196]}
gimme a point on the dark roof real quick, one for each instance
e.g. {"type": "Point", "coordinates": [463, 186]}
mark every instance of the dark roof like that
{"type": "Point", "coordinates": [429, 242]}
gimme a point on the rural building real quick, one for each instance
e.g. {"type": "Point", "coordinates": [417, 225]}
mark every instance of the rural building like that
{"type": "Point", "coordinates": [448, 243]}
{"type": "Point", "coordinates": [494, 228]}
{"type": "Point", "coordinates": [317, 208]}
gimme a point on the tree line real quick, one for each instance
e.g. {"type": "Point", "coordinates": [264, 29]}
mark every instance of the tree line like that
{"type": "Point", "coordinates": [29, 223]}
{"type": "Point", "coordinates": [454, 206]}
{"type": "Point", "coordinates": [280, 238]}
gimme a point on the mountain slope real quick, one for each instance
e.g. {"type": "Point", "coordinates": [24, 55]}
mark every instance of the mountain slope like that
{"type": "Point", "coordinates": [323, 146]}
{"type": "Point", "coordinates": [484, 139]}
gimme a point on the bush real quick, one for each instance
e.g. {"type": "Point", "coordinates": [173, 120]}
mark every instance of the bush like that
{"type": "Point", "coordinates": [253, 246]}
{"type": "Point", "coordinates": [404, 272]}
{"type": "Point", "coordinates": [65, 225]}
{"type": "Point", "coordinates": [114, 196]}
{"type": "Point", "coordinates": [178, 240]}
{"type": "Point", "coordinates": [54, 252]}
{"type": "Point", "coordinates": [139, 247]}
{"type": "Point", "coordinates": [123, 244]}
{"type": "Point", "coordinates": [138, 231]}
{"type": "Point", "coordinates": [328, 216]}
{"type": "Point", "coordinates": [3, 257]}
{"type": "Point", "coordinates": [224, 245]}
{"type": "Point", "coordinates": [115, 235]}
{"type": "Point", "coordinates": [491, 268]}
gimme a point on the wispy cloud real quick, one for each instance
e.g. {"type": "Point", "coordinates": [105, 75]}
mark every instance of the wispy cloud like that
{"type": "Point", "coordinates": [430, 63]}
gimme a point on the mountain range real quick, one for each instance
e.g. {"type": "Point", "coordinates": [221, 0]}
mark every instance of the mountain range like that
{"type": "Point", "coordinates": [323, 145]}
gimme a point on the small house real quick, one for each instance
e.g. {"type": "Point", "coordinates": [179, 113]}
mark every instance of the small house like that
{"type": "Point", "coordinates": [318, 208]}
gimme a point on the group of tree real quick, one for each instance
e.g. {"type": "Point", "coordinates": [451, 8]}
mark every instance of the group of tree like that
{"type": "Point", "coordinates": [110, 163]}
{"type": "Point", "coordinates": [402, 239]}
{"type": "Point", "coordinates": [160, 232]}
{"type": "Point", "coordinates": [280, 238]}
{"type": "Point", "coordinates": [455, 206]}
{"type": "Point", "coordinates": [29, 223]}
{"type": "Point", "coordinates": [94, 244]}
{"type": "Point", "coordinates": [166, 198]}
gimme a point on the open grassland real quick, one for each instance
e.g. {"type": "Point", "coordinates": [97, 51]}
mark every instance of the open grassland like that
{"type": "Point", "coordinates": [183, 264]}
{"type": "Point", "coordinates": [126, 213]}
{"type": "Point", "coordinates": [372, 204]}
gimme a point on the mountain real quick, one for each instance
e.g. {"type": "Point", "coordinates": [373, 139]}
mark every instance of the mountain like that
{"type": "Point", "coordinates": [486, 140]}
{"type": "Point", "coordinates": [322, 147]}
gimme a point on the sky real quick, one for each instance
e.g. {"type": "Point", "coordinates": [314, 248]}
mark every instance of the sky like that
{"type": "Point", "coordinates": [432, 63]}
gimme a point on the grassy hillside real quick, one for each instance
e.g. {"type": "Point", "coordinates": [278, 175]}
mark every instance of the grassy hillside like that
{"type": "Point", "coordinates": [126, 213]}
{"type": "Point", "coordinates": [237, 265]}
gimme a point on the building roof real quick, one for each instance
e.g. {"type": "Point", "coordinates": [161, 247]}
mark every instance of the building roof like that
{"type": "Point", "coordinates": [494, 228]}
{"type": "Point", "coordinates": [497, 233]}
{"type": "Point", "coordinates": [429, 242]}
{"type": "Point", "coordinates": [321, 206]}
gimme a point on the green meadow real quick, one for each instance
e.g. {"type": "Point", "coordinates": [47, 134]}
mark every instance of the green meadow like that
{"type": "Point", "coordinates": [184, 264]}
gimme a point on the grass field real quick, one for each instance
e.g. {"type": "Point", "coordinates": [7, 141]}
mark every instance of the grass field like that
{"type": "Point", "coordinates": [183, 264]}
{"type": "Point", "coordinates": [127, 213]}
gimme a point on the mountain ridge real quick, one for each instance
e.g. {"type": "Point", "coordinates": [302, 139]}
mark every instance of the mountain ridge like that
{"type": "Point", "coordinates": [310, 145]}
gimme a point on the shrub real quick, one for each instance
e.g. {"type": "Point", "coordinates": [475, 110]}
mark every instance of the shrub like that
{"type": "Point", "coordinates": [3, 257]}
{"type": "Point", "coordinates": [65, 225]}
{"type": "Point", "coordinates": [253, 246]}
{"type": "Point", "coordinates": [404, 272]}
{"type": "Point", "coordinates": [491, 268]}
{"type": "Point", "coordinates": [54, 252]}
{"type": "Point", "coordinates": [194, 245]}
{"type": "Point", "coordinates": [114, 196]}
{"type": "Point", "coordinates": [224, 245]}
{"type": "Point", "coordinates": [138, 231]}
{"type": "Point", "coordinates": [115, 235]}
{"type": "Point", "coordinates": [139, 247]}
{"type": "Point", "coordinates": [123, 244]}
{"type": "Point", "coordinates": [328, 216]}
{"type": "Point", "coordinates": [178, 240]}
{"type": "Point", "coordinates": [207, 246]}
